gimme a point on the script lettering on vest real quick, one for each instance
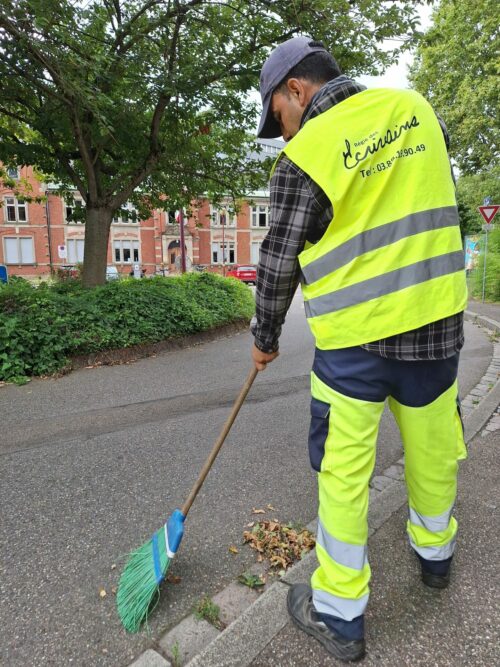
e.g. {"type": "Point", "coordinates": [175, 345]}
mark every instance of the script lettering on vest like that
{"type": "Point", "coordinates": [351, 161]}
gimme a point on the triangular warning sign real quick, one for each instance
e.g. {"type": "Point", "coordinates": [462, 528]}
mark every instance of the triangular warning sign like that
{"type": "Point", "coordinates": [489, 212]}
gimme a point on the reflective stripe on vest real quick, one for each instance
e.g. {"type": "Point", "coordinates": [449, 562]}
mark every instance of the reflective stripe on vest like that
{"type": "Point", "coordinates": [349, 555]}
{"type": "Point", "coordinates": [378, 238]}
{"type": "Point", "coordinates": [393, 281]}
{"type": "Point", "coordinates": [392, 259]}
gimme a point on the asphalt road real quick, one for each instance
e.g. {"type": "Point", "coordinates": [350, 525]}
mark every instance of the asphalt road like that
{"type": "Point", "coordinates": [94, 462]}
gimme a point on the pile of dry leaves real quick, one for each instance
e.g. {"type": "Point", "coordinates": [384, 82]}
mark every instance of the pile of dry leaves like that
{"type": "Point", "coordinates": [281, 544]}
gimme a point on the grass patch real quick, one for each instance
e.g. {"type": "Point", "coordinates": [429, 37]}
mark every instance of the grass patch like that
{"type": "Point", "coordinates": [206, 609]}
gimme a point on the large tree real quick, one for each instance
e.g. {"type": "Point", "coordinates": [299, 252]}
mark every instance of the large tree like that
{"type": "Point", "coordinates": [147, 100]}
{"type": "Point", "coordinates": [456, 68]}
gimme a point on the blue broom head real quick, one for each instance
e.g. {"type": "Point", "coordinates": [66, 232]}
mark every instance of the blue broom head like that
{"type": "Point", "coordinates": [138, 589]}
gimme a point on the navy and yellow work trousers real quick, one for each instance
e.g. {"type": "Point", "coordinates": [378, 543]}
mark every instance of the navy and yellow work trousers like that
{"type": "Point", "coordinates": [349, 387]}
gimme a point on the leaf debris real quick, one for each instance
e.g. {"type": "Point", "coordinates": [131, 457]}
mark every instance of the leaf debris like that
{"type": "Point", "coordinates": [281, 544]}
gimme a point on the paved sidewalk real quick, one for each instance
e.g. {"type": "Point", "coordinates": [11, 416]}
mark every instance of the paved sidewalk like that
{"type": "Point", "coordinates": [409, 624]}
{"type": "Point", "coordinates": [489, 310]}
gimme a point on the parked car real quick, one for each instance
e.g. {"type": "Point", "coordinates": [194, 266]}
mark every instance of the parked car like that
{"type": "Point", "coordinates": [65, 271]}
{"type": "Point", "coordinates": [112, 273]}
{"type": "Point", "coordinates": [247, 274]}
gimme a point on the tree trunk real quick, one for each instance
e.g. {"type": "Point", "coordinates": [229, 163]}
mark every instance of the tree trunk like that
{"type": "Point", "coordinates": [95, 255]}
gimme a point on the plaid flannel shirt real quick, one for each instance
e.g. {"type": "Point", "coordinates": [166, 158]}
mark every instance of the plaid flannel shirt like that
{"type": "Point", "coordinates": [301, 211]}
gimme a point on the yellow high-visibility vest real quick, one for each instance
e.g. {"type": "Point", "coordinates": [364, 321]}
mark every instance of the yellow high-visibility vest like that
{"type": "Point", "coordinates": [391, 260]}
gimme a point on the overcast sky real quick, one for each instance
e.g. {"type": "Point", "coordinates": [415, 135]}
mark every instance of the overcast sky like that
{"type": "Point", "coordinates": [395, 76]}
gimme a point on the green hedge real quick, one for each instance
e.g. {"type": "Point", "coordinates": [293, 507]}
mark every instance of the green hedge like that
{"type": "Point", "coordinates": [41, 327]}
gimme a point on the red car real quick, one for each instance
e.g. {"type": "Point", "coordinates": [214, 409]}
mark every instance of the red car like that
{"type": "Point", "coordinates": [247, 274]}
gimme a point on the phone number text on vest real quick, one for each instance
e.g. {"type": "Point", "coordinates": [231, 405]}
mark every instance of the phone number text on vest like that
{"type": "Point", "coordinates": [387, 164]}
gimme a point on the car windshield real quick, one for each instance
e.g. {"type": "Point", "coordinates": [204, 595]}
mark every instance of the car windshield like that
{"type": "Point", "coordinates": [246, 268]}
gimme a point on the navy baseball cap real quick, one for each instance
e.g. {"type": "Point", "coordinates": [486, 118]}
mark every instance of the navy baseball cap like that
{"type": "Point", "coordinates": [280, 62]}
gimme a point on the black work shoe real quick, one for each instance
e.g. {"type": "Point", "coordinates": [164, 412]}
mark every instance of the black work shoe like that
{"type": "Point", "coordinates": [439, 579]}
{"type": "Point", "coordinates": [301, 609]}
{"type": "Point", "coordinates": [435, 580]}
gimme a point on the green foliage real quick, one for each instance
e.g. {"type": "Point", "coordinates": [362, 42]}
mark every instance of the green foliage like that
{"type": "Point", "coordinates": [251, 580]}
{"type": "Point", "coordinates": [492, 282]}
{"type": "Point", "coordinates": [471, 191]}
{"type": "Point", "coordinates": [42, 327]}
{"type": "Point", "coordinates": [457, 69]}
{"type": "Point", "coordinates": [206, 609]}
{"type": "Point", "coordinates": [147, 101]}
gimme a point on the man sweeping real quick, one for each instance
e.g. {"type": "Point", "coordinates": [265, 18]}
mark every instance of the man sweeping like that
{"type": "Point", "coordinates": [363, 213]}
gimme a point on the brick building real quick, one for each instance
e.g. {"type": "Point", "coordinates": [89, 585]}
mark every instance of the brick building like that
{"type": "Point", "coordinates": [37, 238]}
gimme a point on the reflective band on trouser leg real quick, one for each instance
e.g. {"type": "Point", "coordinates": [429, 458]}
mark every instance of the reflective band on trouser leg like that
{"type": "Point", "coordinates": [340, 584]}
{"type": "Point", "coordinates": [433, 442]}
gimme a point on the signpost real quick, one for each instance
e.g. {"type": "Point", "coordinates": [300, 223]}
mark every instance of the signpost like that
{"type": "Point", "coordinates": [488, 211]}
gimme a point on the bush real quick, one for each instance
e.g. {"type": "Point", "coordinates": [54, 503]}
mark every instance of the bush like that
{"type": "Point", "coordinates": [42, 327]}
{"type": "Point", "coordinates": [492, 282]}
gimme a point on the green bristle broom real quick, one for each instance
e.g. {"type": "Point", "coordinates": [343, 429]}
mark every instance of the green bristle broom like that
{"type": "Point", "coordinates": [139, 586]}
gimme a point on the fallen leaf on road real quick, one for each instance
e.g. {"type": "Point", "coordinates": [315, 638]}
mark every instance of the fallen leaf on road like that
{"type": "Point", "coordinates": [251, 524]}
{"type": "Point", "coordinates": [251, 580]}
{"type": "Point", "coordinates": [113, 590]}
{"type": "Point", "coordinates": [280, 544]}
{"type": "Point", "coordinates": [254, 511]}
{"type": "Point", "coordinates": [270, 507]}
{"type": "Point", "coordinates": [113, 566]}
{"type": "Point", "coordinates": [102, 593]}
{"type": "Point", "coordinates": [233, 549]}
{"type": "Point", "coordinates": [173, 579]}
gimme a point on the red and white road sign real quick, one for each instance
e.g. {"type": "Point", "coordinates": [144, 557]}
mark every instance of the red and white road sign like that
{"type": "Point", "coordinates": [488, 212]}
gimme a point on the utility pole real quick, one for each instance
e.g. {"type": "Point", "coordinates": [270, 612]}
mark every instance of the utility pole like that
{"type": "Point", "coordinates": [183, 247]}
{"type": "Point", "coordinates": [223, 222]}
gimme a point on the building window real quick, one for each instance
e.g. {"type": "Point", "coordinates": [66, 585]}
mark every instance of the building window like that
{"type": "Point", "coordinates": [126, 251]}
{"type": "Point", "coordinates": [13, 172]}
{"type": "Point", "coordinates": [19, 250]}
{"type": "Point", "coordinates": [260, 216]}
{"type": "Point", "coordinates": [75, 250]}
{"type": "Point", "coordinates": [222, 217]}
{"type": "Point", "coordinates": [15, 210]}
{"type": "Point", "coordinates": [255, 250]}
{"type": "Point", "coordinates": [229, 253]}
{"type": "Point", "coordinates": [74, 212]}
{"type": "Point", "coordinates": [126, 215]}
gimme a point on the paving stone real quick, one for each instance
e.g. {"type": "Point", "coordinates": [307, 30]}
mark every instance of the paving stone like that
{"type": "Point", "coordinates": [233, 601]}
{"type": "Point", "coordinates": [381, 482]}
{"type": "Point", "coordinates": [395, 472]}
{"type": "Point", "coordinates": [477, 392]}
{"type": "Point", "coordinates": [150, 658]}
{"type": "Point", "coordinates": [190, 637]}
{"type": "Point", "coordinates": [492, 427]}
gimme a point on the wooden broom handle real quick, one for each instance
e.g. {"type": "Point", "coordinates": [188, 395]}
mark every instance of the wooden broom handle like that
{"type": "Point", "coordinates": [220, 441]}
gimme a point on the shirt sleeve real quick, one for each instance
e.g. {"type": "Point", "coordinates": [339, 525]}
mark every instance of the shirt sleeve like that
{"type": "Point", "coordinates": [298, 211]}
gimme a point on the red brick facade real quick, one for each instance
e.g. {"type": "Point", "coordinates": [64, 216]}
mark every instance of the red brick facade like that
{"type": "Point", "coordinates": [37, 238]}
